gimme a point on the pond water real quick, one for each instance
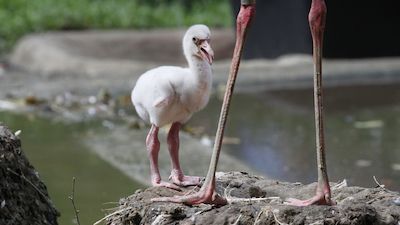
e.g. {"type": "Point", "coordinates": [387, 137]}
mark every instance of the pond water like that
{"type": "Point", "coordinates": [277, 134]}
{"type": "Point", "coordinates": [56, 151]}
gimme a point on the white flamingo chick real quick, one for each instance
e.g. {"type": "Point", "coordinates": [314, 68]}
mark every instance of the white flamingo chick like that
{"type": "Point", "coordinates": [170, 94]}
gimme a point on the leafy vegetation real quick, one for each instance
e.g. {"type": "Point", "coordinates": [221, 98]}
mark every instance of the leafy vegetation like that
{"type": "Point", "coordinates": [18, 17]}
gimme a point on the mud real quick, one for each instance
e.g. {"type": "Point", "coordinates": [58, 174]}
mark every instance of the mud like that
{"type": "Point", "coordinates": [256, 200]}
{"type": "Point", "coordinates": [24, 199]}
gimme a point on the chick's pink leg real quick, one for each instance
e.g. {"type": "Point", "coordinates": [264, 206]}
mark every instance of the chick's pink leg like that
{"type": "Point", "coordinates": [177, 175]}
{"type": "Point", "coordinates": [207, 194]}
{"type": "Point", "coordinates": [153, 148]}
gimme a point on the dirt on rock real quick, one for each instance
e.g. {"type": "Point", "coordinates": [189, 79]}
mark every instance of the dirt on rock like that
{"type": "Point", "coordinates": [256, 200]}
{"type": "Point", "coordinates": [24, 199]}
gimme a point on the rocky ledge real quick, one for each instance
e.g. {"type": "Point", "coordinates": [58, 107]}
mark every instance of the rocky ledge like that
{"type": "Point", "coordinates": [23, 196]}
{"type": "Point", "coordinates": [256, 200]}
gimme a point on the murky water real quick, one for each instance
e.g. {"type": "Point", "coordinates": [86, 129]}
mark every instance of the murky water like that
{"type": "Point", "coordinates": [56, 151]}
{"type": "Point", "coordinates": [277, 135]}
{"type": "Point", "coordinates": [275, 130]}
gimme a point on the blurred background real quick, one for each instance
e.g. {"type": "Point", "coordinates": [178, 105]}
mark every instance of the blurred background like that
{"type": "Point", "coordinates": [67, 68]}
{"type": "Point", "coordinates": [22, 17]}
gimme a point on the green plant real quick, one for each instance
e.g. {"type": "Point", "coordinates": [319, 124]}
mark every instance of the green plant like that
{"type": "Point", "coordinates": [19, 17]}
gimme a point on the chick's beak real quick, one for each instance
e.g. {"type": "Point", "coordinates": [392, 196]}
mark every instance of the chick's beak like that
{"type": "Point", "coordinates": [206, 52]}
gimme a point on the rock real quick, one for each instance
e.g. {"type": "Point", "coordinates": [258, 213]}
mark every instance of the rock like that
{"type": "Point", "coordinates": [24, 199]}
{"type": "Point", "coordinates": [256, 200]}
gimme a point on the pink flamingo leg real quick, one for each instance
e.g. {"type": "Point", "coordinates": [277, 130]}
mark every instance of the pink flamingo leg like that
{"type": "Point", "coordinates": [316, 19]}
{"type": "Point", "coordinates": [153, 148]}
{"type": "Point", "coordinates": [177, 175]}
{"type": "Point", "coordinates": [207, 192]}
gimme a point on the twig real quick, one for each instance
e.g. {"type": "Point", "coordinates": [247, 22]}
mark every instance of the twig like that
{"type": "Point", "coordinates": [110, 203]}
{"type": "Point", "coordinates": [340, 185]}
{"type": "Point", "coordinates": [258, 217]}
{"type": "Point", "coordinates": [234, 199]}
{"type": "Point", "coordinates": [268, 209]}
{"type": "Point", "coordinates": [230, 199]}
{"type": "Point", "coordinates": [71, 197]}
{"type": "Point", "coordinates": [202, 211]}
{"type": "Point", "coordinates": [375, 199]}
{"type": "Point", "coordinates": [376, 181]}
{"type": "Point", "coordinates": [22, 176]}
{"type": "Point", "coordinates": [161, 219]}
{"type": "Point", "coordinates": [110, 209]}
{"type": "Point", "coordinates": [112, 214]}
{"type": "Point", "coordinates": [237, 220]}
{"type": "Point", "coordinates": [276, 219]}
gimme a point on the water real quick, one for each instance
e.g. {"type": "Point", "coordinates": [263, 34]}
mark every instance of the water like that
{"type": "Point", "coordinates": [277, 134]}
{"type": "Point", "coordinates": [56, 151]}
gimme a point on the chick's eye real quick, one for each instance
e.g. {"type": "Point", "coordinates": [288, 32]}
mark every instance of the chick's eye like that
{"type": "Point", "coordinates": [195, 40]}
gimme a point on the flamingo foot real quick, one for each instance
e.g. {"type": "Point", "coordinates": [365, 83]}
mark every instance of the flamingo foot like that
{"type": "Point", "coordinates": [194, 199]}
{"type": "Point", "coordinates": [318, 199]}
{"type": "Point", "coordinates": [183, 181]}
{"type": "Point", "coordinates": [166, 184]}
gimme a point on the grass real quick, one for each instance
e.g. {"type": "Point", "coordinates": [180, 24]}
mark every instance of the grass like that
{"type": "Point", "coordinates": [19, 17]}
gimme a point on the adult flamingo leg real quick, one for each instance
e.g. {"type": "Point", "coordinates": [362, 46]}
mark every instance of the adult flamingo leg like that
{"type": "Point", "coordinates": [316, 19]}
{"type": "Point", "coordinates": [177, 175]}
{"type": "Point", "coordinates": [207, 192]}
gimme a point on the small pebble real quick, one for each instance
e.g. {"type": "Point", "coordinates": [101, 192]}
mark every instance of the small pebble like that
{"type": "Point", "coordinates": [397, 201]}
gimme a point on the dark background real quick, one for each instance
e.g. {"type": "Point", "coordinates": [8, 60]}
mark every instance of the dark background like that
{"type": "Point", "coordinates": [354, 28]}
